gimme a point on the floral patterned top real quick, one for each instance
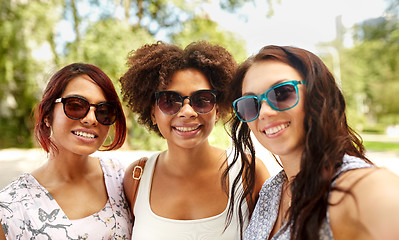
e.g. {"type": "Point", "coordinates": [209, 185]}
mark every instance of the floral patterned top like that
{"type": "Point", "coordinates": [28, 211]}
{"type": "Point", "coordinates": [266, 209]}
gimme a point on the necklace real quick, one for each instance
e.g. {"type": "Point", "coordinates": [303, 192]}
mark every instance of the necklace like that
{"type": "Point", "coordinates": [285, 202]}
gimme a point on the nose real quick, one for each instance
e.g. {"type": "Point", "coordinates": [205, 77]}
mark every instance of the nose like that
{"type": "Point", "coordinates": [90, 118]}
{"type": "Point", "coordinates": [187, 110]}
{"type": "Point", "coordinates": [265, 110]}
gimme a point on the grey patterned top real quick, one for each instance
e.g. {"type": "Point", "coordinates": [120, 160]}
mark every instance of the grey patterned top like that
{"type": "Point", "coordinates": [28, 211]}
{"type": "Point", "coordinates": [266, 210]}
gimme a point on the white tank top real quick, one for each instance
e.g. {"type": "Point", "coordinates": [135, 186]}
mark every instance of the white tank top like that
{"type": "Point", "coordinates": [149, 226]}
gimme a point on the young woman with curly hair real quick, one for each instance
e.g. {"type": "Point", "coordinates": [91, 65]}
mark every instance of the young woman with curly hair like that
{"type": "Point", "coordinates": [180, 94]}
{"type": "Point", "coordinates": [327, 189]}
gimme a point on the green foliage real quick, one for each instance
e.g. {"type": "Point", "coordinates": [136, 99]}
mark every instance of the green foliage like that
{"type": "Point", "coordinates": [370, 73]}
{"type": "Point", "coordinates": [382, 146]}
{"type": "Point", "coordinates": [204, 29]}
{"type": "Point", "coordinates": [380, 61]}
{"type": "Point", "coordinates": [232, 5]}
{"type": "Point", "coordinates": [219, 137]}
{"type": "Point", "coordinates": [24, 29]}
{"type": "Point", "coordinates": [31, 46]}
{"type": "Point", "coordinates": [106, 44]}
{"type": "Point", "coordinates": [140, 138]}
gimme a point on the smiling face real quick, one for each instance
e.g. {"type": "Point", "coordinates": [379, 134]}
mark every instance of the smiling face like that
{"type": "Point", "coordinates": [187, 128]}
{"type": "Point", "coordinates": [281, 132]}
{"type": "Point", "coordinates": [82, 136]}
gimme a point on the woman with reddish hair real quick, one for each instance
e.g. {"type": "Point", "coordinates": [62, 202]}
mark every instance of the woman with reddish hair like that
{"type": "Point", "coordinates": [328, 189]}
{"type": "Point", "coordinates": [74, 195]}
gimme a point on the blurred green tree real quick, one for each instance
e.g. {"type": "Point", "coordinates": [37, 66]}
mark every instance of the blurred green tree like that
{"type": "Point", "coordinates": [25, 28]}
{"type": "Point", "coordinates": [33, 44]}
{"type": "Point", "coordinates": [374, 72]}
{"type": "Point", "coordinates": [202, 28]}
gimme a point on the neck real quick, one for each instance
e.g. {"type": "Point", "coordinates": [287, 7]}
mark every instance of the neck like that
{"type": "Point", "coordinates": [291, 166]}
{"type": "Point", "coordinates": [68, 167]}
{"type": "Point", "coordinates": [190, 161]}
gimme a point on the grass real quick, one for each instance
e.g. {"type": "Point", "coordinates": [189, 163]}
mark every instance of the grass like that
{"type": "Point", "coordinates": [382, 146]}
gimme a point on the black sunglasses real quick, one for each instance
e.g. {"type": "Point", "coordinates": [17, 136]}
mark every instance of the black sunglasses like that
{"type": "Point", "coordinates": [170, 102]}
{"type": "Point", "coordinates": [78, 107]}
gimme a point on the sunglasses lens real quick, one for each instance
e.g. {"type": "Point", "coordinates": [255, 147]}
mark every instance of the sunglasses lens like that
{"type": "Point", "coordinates": [105, 113]}
{"type": "Point", "coordinates": [247, 108]}
{"type": "Point", "coordinates": [169, 102]}
{"type": "Point", "coordinates": [203, 101]}
{"type": "Point", "coordinates": [283, 97]}
{"type": "Point", "coordinates": [76, 108]}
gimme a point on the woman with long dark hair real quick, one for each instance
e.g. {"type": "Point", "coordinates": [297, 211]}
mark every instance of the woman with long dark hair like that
{"type": "Point", "coordinates": [328, 189]}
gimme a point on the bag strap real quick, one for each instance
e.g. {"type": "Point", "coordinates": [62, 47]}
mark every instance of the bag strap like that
{"type": "Point", "coordinates": [136, 175]}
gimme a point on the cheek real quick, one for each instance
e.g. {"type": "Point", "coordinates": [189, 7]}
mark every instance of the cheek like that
{"type": "Point", "coordinates": [252, 125]}
{"type": "Point", "coordinates": [60, 119]}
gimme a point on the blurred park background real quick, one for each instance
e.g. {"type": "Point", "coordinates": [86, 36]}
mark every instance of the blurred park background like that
{"type": "Point", "coordinates": [38, 37]}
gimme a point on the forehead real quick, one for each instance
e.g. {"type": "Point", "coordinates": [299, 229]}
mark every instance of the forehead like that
{"type": "Point", "coordinates": [265, 74]}
{"type": "Point", "coordinates": [84, 86]}
{"type": "Point", "coordinates": [188, 80]}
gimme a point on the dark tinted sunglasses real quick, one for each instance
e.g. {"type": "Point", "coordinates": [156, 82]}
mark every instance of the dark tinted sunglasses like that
{"type": "Point", "coordinates": [170, 102]}
{"type": "Point", "coordinates": [281, 97]}
{"type": "Point", "coordinates": [78, 107]}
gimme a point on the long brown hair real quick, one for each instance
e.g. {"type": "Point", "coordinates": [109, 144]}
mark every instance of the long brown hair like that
{"type": "Point", "coordinates": [327, 138]}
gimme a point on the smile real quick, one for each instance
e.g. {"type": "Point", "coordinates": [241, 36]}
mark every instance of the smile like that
{"type": "Point", "coordinates": [186, 129]}
{"type": "Point", "coordinates": [276, 129]}
{"type": "Point", "coordinates": [84, 134]}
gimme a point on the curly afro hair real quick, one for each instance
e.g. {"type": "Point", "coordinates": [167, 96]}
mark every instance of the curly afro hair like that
{"type": "Point", "coordinates": [152, 66]}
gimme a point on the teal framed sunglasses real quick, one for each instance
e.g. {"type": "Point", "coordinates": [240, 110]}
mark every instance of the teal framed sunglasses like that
{"type": "Point", "coordinates": [281, 97]}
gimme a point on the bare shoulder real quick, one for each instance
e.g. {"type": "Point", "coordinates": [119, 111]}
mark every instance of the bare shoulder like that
{"type": "Point", "coordinates": [261, 174]}
{"type": "Point", "coordinates": [261, 171]}
{"type": "Point", "coordinates": [370, 199]}
{"type": "Point", "coordinates": [370, 182]}
{"type": "Point", "coordinates": [128, 178]}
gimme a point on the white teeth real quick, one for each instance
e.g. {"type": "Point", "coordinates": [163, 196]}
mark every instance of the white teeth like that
{"type": "Point", "coordinates": [84, 134]}
{"type": "Point", "coordinates": [186, 129]}
{"type": "Point", "coordinates": [276, 129]}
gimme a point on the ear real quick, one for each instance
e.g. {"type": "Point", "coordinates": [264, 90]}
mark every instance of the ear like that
{"type": "Point", "coordinates": [46, 121]}
{"type": "Point", "coordinates": [153, 119]}
{"type": "Point", "coordinates": [217, 113]}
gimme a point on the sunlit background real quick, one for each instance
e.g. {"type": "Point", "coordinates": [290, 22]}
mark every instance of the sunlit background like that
{"type": "Point", "coordinates": [357, 39]}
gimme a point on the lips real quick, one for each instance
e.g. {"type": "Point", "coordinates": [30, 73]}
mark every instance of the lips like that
{"type": "Point", "coordinates": [272, 131]}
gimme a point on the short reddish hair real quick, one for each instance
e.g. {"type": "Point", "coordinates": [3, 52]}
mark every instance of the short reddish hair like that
{"type": "Point", "coordinates": [56, 87]}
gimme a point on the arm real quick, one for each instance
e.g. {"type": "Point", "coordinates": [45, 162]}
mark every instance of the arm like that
{"type": "Point", "coordinates": [378, 196]}
{"type": "Point", "coordinates": [2, 234]}
{"type": "Point", "coordinates": [128, 184]}
{"type": "Point", "coordinates": [131, 180]}
{"type": "Point", "coordinates": [371, 208]}
{"type": "Point", "coordinates": [261, 174]}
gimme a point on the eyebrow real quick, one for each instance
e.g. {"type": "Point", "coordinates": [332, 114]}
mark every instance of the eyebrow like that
{"type": "Point", "coordinates": [74, 95]}
{"type": "Point", "coordinates": [80, 96]}
{"type": "Point", "coordinates": [272, 86]}
{"type": "Point", "coordinates": [249, 94]}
